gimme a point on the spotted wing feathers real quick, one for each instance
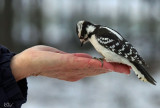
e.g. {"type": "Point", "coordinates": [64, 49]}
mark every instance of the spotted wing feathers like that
{"type": "Point", "coordinates": [118, 45]}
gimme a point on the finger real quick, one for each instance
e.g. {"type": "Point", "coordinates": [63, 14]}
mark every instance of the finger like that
{"type": "Point", "coordinates": [117, 67]}
{"type": "Point", "coordinates": [121, 68]}
{"type": "Point", "coordinates": [82, 55]}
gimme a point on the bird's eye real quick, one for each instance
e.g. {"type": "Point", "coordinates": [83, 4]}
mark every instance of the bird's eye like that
{"type": "Point", "coordinates": [81, 37]}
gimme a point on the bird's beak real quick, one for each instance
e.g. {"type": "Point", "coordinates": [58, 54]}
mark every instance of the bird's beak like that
{"type": "Point", "coordinates": [82, 43]}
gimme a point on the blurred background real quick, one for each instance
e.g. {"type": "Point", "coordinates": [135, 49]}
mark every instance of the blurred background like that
{"type": "Point", "coordinates": [25, 23]}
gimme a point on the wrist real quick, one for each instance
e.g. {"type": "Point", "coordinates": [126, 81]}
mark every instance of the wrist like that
{"type": "Point", "coordinates": [17, 67]}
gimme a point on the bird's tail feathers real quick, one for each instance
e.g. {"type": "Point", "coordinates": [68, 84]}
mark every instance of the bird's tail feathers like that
{"type": "Point", "coordinates": [142, 74]}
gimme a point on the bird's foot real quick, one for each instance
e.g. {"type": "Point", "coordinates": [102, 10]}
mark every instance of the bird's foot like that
{"type": "Point", "coordinates": [100, 59]}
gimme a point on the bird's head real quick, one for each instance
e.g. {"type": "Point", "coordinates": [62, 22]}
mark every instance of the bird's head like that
{"type": "Point", "coordinates": [83, 29]}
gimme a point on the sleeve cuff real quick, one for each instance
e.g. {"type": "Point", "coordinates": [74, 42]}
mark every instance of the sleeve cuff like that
{"type": "Point", "coordinates": [16, 92]}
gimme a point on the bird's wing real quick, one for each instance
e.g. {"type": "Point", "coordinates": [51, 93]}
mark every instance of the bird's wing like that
{"type": "Point", "coordinates": [113, 41]}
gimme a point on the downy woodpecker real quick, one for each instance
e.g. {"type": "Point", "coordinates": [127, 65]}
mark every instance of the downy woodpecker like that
{"type": "Point", "coordinates": [113, 47]}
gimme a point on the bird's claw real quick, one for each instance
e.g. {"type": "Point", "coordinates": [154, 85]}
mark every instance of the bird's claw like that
{"type": "Point", "coordinates": [100, 59]}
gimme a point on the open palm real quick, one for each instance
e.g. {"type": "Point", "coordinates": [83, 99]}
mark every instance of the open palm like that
{"type": "Point", "coordinates": [51, 62]}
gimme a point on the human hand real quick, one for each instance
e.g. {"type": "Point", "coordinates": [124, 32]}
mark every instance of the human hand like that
{"type": "Point", "coordinates": [51, 62]}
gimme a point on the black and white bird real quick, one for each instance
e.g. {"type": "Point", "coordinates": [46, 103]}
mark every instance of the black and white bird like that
{"type": "Point", "coordinates": [113, 47]}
